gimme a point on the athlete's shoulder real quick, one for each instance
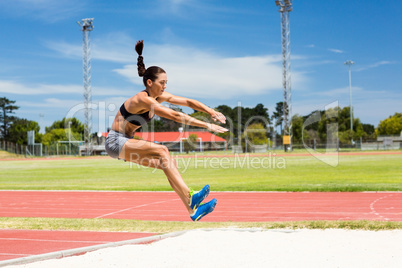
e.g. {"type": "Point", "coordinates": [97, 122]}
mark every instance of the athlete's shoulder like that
{"type": "Point", "coordinates": [165, 96]}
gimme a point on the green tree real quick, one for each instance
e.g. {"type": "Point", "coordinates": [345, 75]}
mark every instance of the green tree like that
{"type": "Point", "coordinates": [369, 129]}
{"type": "Point", "coordinates": [255, 134]}
{"type": "Point", "coordinates": [76, 125]}
{"type": "Point", "coordinates": [6, 108]}
{"type": "Point", "coordinates": [248, 116]}
{"type": "Point", "coordinates": [330, 118]}
{"type": "Point", "coordinates": [278, 115]}
{"type": "Point", "coordinates": [390, 126]}
{"type": "Point", "coordinates": [19, 128]}
{"type": "Point", "coordinates": [63, 130]}
{"type": "Point", "coordinates": [313, 126]}
{"type": "Point", "coordinates": [297, 126]}
{"type": "Point", "coordinates": [54, 135]}
{"type": "Point", "coordinates": [190, 143]}
{"type": "Point", "coordinates": [341, 117]}
{"type": "Point", "coordinates": [59, 134]}
{"type": "Point", "coordinates": [338, 121]}
{"type": "Point", "coordinates": [228, 112]}
{"type": "Point", "coordinates": [258, 114]}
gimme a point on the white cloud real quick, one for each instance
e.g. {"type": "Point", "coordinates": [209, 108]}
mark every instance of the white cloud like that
{"type": "Point", "coordinates": [65, 49]}
{"type": "Point", "coordinates": [119, 47]}
{"type": "Point", "coordinates": [46, 10]}
{"type": "Point", "coordinates": [336, 50]}
{"type": "Point", "coordinates": [222, 78]}
{"type": "Point", "coordinates": [174, 5]}
{"type": "Point", "coordinates": [197, 73]}
{"type": "Point", "coordinates": [12, 87]}
{"type": "Point", "coordinates": [375, 65]}
{"type": "Point", "coordinates": [191, 71]}
{"type": "Point", "coordinates": [116, 47]}
{"type": "Point", "coordinates": [49, 103]}
{"type": "Point", "coordinates": [338, 92]}
{"type": "Point", "coordinates": [185, 8]}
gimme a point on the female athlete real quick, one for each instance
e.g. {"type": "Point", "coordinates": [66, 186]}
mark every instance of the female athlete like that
{"type": "Point", "coordinates": [139, 110]}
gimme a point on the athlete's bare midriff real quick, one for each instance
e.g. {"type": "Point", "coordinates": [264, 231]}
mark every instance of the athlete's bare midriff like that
{"type": "Point", "coordinates": [123, 126]}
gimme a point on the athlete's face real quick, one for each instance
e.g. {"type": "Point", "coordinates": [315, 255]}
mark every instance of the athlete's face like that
{"type": "Point", "coordinates": [160, 84]}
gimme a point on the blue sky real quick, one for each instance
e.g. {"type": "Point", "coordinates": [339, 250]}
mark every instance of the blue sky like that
{"type": "Point", "coordinates": [216, 51]}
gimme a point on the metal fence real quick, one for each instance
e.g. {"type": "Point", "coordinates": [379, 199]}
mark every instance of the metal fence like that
{"type": "Point", "coordinates": [60, 148]}
{"type": "Point", "coordinates": [38, 149]}
{"type": "Point", "coordinates": [12, 147]}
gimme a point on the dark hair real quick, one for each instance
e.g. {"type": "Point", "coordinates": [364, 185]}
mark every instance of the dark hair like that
{"type": "Point", "coordinates": [147, 73]}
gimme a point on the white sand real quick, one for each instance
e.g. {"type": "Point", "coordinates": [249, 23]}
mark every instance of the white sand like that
{"type": "Point", "coordinates": [234, 248]}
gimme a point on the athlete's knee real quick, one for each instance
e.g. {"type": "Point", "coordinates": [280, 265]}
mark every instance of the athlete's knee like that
{"type": "Point", "coordinates": [163, 151]}
{"type": "Point", "coordinates": [165, 159]}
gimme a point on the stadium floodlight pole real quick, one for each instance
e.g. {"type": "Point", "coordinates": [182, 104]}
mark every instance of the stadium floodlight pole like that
{"type": "Point", "coordinates": [285, 6]}
{"type": "Point", "coordinates": [350, 63]}
{"type": "Point", "coordinates": [87, 27]}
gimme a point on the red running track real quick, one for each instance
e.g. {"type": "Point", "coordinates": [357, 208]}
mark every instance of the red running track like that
{"type": "Point", "coordinates": [166, 206]}
{"type": "Point", "coordinates": [25, 243]}
{"type": "Point", "coordinates": [232, 206]}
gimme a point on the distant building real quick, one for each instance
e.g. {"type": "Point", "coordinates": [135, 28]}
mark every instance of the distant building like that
{"type": "Point", "coordinates": [390, 142]}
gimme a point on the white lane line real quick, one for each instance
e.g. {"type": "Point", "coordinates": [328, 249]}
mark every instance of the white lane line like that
{"type": "Point", "coordinates": [143, 205]}
{"type": "Point", "coordinates": [373, 209]}
{"type": "Point", "coordinates": [14, 254]}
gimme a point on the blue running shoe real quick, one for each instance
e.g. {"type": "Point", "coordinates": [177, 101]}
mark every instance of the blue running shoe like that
{"type": "Point", "coordinates": [196, 198]}
{"type": "Point", "coordinates": [203, 210]}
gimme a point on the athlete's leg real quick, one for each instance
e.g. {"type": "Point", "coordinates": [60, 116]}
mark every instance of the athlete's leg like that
{"type": "Point", "coordinates": [157, 156]}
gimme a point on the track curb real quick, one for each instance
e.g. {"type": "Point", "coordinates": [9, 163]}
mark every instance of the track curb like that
{"type": "Point", "coordinates": [83, 250]}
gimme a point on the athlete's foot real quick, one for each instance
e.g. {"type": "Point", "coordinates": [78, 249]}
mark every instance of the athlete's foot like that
{"type": "Point", "coordinates": [203, 210]}
{"type": "Point", "coordinates": [197, 197]}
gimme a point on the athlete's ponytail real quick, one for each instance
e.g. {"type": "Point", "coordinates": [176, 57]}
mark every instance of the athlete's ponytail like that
{"type": "Point", "coordinates": [150, 73]}
{"type": "Point", "coordinates": [140, 60]}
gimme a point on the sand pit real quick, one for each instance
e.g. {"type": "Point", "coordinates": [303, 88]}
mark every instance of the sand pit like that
{"type": "Point", "coordinates": [250, 248]}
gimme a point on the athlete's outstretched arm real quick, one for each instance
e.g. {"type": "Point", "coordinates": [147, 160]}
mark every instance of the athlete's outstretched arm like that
{"type": "Point", "coordinates": [183, 118]}
{"type": "Point", "coordinates": [194, 104]}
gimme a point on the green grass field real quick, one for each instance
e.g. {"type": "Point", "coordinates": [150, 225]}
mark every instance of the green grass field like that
{"type": "Point", "coordinates": [281, 173]}
{"type": "Point", "coordinates": [116, 225]}
{"type": "Point", "coordinates": [293, 172]}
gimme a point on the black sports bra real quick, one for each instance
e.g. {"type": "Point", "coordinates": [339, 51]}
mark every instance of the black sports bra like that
{"type": "Point", "coordinates": [136, 119]}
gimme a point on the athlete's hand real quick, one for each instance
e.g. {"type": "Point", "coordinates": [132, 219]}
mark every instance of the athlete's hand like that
{"type": "Point", "coordinates": [217, 116]}
{"type": "Point", "coordinates": [216, 128]}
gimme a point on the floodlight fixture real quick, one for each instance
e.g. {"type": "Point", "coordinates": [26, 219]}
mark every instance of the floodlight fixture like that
{"type": "Point", "coordinates": [284, 5]}
{"type": "Point", "coordinates": [87, 24]}
{"type": "Point", "coordinates": [349, 62]}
